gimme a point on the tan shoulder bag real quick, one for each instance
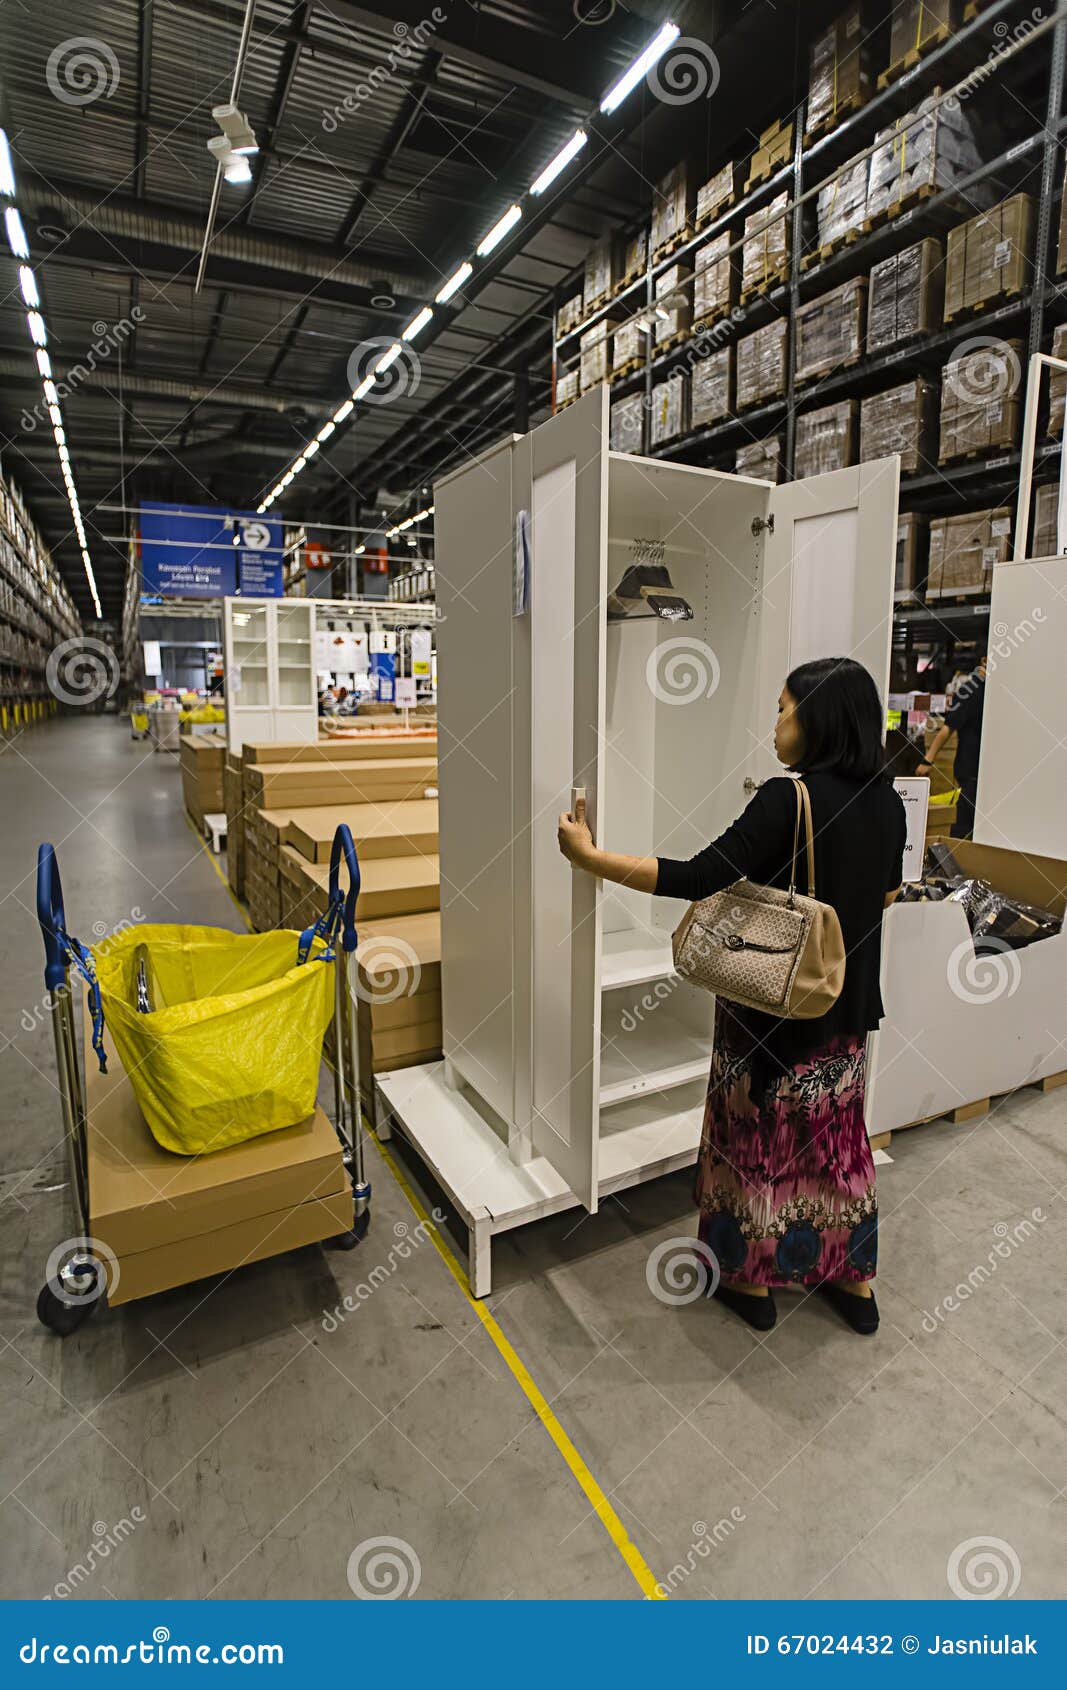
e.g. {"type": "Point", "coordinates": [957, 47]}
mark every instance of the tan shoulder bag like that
{"type": "Point", "coordinates": [778, 952]}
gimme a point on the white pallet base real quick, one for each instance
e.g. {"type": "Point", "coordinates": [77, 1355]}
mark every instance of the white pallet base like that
{"type": "Point", "coordinates": [649, 1136]}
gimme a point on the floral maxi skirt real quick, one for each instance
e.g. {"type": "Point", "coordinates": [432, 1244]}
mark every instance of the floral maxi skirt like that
{"type": "Point", "coordinates": [785, 1186]}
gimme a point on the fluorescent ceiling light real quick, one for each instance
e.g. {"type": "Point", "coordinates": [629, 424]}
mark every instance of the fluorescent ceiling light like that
{"type": "Point", "coordinates": [560, 162]}
{"type": "Point", "coordinates": [60, 436]}
{"type": "Point", "coordinates": [56, 415]}
{"type": "Point", "coordinates": [37, 328]}
{"type": "Point", "coordinates": [342, 412]}
{"type": "Point", "coordinates": [311, 449]}
{"type": "Point", "coordinates": [298, 466]}
{"type": "Point", "coordinates": [50, 393]}
{"type": "Point", "coordinates": [7, 169]}
{"type": "Point", "coordinates": [417, 324]}
{"type": "Point", "coordinates": [388, 358]}
{"type": "Point", "coordinates": [261, 508]}
{"type": "Point", "coordinates": [44, 363]}
{"type": "Point", "coordinates": [630, 78]}
{"type": "Point", "coordinates": [325, 431]}
{"type": "Point", "coordinates": [454, 283]}
{"type": "Point", "coordinates": [16, 234]}
{"type": "Point", "coordinates": [28, 284]}
{"type": "Point", "coordinates": [499, 230]}
{"type": "Point", "coordinates": [287, 478]}
{"type": "Point", "coordinates": [364, 387]}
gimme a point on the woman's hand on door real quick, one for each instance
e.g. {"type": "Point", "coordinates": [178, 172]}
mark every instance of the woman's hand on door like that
{"type": "Point", "coordinates": [575, 839]}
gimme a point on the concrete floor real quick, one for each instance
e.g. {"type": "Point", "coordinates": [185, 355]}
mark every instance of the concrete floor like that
{"type": "Point", "coordinates": [230, 1446]}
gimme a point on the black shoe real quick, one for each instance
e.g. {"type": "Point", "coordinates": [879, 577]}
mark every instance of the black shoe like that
{"type": "Point", "coordinates": [760, 1312]}
{"type": "Point", "coordinates": [861, 1313]}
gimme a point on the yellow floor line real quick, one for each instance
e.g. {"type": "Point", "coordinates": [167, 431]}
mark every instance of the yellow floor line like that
{"type": "Point", "coordinates": [217, 866]}
{"type": "Point", "coordinates": [606, 1514]}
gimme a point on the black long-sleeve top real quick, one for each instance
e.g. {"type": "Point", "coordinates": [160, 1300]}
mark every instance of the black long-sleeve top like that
{"type": "Point", "coordinates": [964, 716]}
{"type": "Point", "coordinates": [860, 832]}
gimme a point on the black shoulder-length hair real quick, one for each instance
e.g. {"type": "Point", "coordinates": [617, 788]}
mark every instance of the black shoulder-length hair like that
{"type": "Point", "coordinates": [840, 716]}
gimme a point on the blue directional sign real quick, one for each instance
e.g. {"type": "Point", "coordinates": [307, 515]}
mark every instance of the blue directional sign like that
{"type": "Point", "coordinates": [205, 551]}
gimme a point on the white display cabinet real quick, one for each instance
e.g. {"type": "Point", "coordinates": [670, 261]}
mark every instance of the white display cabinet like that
{"type": "Point", "coordinates": [271, 690]}
{"type": "Point", "coordinates": [575, 1060]}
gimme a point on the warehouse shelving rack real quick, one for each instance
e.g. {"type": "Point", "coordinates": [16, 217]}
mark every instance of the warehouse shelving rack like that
{"type": "Point", "coordinates": [946, 488]}
{"type": "Point", "coordinates": [36, 615]}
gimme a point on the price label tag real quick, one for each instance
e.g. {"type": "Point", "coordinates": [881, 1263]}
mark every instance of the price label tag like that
{"type": "Point", "coordinates": [915, 791]}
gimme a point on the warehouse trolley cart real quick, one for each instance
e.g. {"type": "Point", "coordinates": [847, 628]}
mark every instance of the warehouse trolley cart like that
{"type": "Point", "coordinates": [148, 1220]}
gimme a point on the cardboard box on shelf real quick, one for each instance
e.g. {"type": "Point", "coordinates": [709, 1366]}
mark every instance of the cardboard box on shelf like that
{"type": "Point", "coordinates": [600, 273]}
{"type": "Point", "coordinates": [626, 424]}
{"type": "Point", "coordinates": [628, 345]}
{"type": "Point", "coordinates": [673, 206]}
{"type": "Point", "coordinates": [378, 830]}
{"type": "Point", "coordinates": [906, 295]}
{"type": "Point", "coordinates": [715, 278]}
{"type": "Point", "coordinates": [980, 406]}
{"type": "Point", "coordinates": [383, 780]}
{"type": "Point", "coordinates": [669, 413]}
{"type": "Point", "coordinates": [827, 438]}
{"type": "Point", "coordinates": [389, 886]}
{"type": "Point", "coordinates": [1044, 529]}
{"type": "Point", "coordinates": [933, 146]}
{"type": "Point", "coordinates": [674, 298]}
{"type": "Point", "coordinates": [1061, 237]}
{"type": "Point", "coordinates": [775, 150]}
{"type": "Point", "coordinates": [902, 419]}
{"type": "Point", "coordinates": [711, 388]}
{"type": "Point", "coordinates": [570, 314]}
{"type": "Point", "coordinates": [839, 77]}
{"type": "Point", "coordinates": [841, 203]}
{"type": "Point", "coordinates": [718, 193]}
{"type": "Point", "coordinates": [634, 260]}
{"type": "Point", "coordinates": [989, 256]}
{"type": "Point", "coordinates": [201, 759]}
{"type": "Point", "coordinates": [385, 741]}
{"type": "Point", "coordinates": [765, 250]}
{"type": "Point", "coordinates": [567, 388]}
{"type": "Point", "coordinates": [1057, 381]}
{"type": "Point", "coordinates": [830, 329]}
{"type": "Point", "coordinates": [916, 26]}
{"type": "Point", "coordinates": [913, 538]}
{"type": "Point", "coordinates": [595, 352]}
{"type": "Point", "coordinates": [964, 551]}
{"type": "Point", "coordinates": [761, 364]}
{"type": "Point", "coordinates": [760, 458]}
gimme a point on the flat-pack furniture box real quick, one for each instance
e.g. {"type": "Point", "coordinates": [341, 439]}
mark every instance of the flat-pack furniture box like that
{"type": "Point", "coordinates": [980, 407]}
{"type": "Point", "coordinates": [233, 804]}
{"type": "Point", "coordinates": [568, 387]}
{"type": "Point", "coordinates": [839, 73]}
{"type": "Point", "coordinates": [916, 26]}
{"type": "Point", "coordinates": [827, 439]}
{"type": "Point", "coordinates": [761, 364]}
{"type": "Point", "coordinates": [1057, 381]}
{"type": "Point", "coordinates": [570, 314]}
{"type": "Point", "coordinates": [718, 193]}
{"type": "Point", "coordinates": [558, 1087]}
{"type": "Point", "coordinates": [634, 260]}
{"type": "Point", "coordinates": [1045, 541]}
{"type": "Point", "coordinates": [933, 146]}
{"type": "Point", "coordinates": [841, 203]}
{"type": "Point", "coordinates": [595, 346]}
{"type": "Point", "coordinates": [902, 419]}
{"type": "Point", "coordinates": [385, 740]}
{"type": "Point", "coordinates": [600, 273]}
{"type": "Point", "coordinates": [765, 250]}
{"type": "Point", "coordinates": [775, 150]}
{"type": "Point", "coordinates": [964, 551]}
{"type": "Point", "coordinates": [830, 330]}
{"type": "Point", "coordinates": [913, 531]}
{"type": "Point", "coordinates": [761, 458]}
{"type": "Point", "coordinates": [674, 302]}
{"type": "Point", "coordinates": [200, 758]}
{"type": "Point", "coordinates": [905, 297]}
{"type": "Point", "coordinates": [715, 278]}
{"type": "Point", "coordinates": [711, 388]}
{"type": "Point", "coordinates": [271, 684]}
{"type": "Point", "coordinates": [627, 346]}
{"type": "Point", "coordinates": [669, 413]}
{"type": "Point", "coordinates": [378, 830]}
{"type": "Point", "coordinates": [988, 257]}
{"type": "Point", "coordinates": [628, 423]}
{"type": "Point", "coordinates": [389, 886]}
{"type": "Point", "coordinates": [961, 1028]}
{"type": "Point", "coordinates": [378, 780]}
{"type": "Point", "coordinates": [674, 200]}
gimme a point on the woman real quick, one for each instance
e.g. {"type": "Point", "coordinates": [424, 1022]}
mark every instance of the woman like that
{"type": "Point", "coordinates": [785, 1181]}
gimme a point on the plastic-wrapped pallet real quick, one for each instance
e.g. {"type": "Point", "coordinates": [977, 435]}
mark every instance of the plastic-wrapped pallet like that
{"type": "Point", "coordinates": [765, 252]}
{"type": "Point", "coordinates": [625, 423]}
{"type": "Point", "coordinates": [566, 387]}
{"type": "Point", "coordinates": [711, 388]}
{"type": "Point", "coordinates": [627, 345]}
{"type": "Point", "coordinates": [715, 278]}
{"type": "Point", "coordinates": [826, 438]}
{"type": "Point", "coordinates": [718, 192]}
{"type": "Point", "coordinates": [1043, 530]}
{"type": "Point", "coordinates": [570, 314]}
{"type": "Point", "coordinates": [839, 80]}
{"type": "Point", "coordinates": [829, 330]}
{"type": "Point", "coordinates": [917, 24]}
{"type": "Point", "coordinates": [900, 420]}
{"type": "Point", "coordinates": [980, 410]}
{"type": "Point", "coordinates": [1057, 382]}
{"type": "Point", "coordinates": [634, 255]}
{"type": "Point", "coordinates": [761, 364]}
{"type": "Point", "coordinates": [912, 545]}
{"type": "Point", "coordinates": [673, 205]}
{"type": "Point", "coordinates": [842, 202]}
{"type": "Point", "coordinates": [674, 299]}
{"type": "Point", "coordinates": [669, 415]}
{"type": "Point", "coordinates": [761, 458]}
{"type": "Point", "coordinates": [599, 274]}
{"type": "Point", "coordinates": [595, 348]}
{"type": "Point", "coordinates": [989, 255]}
{"type": "Point", "coordinates": [964, 550]}
{"type": "Point", "coordinates": [905, 295]}
{"type": "Point", "coordinates": [932, 146]}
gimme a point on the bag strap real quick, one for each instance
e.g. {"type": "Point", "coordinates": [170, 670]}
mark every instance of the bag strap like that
{"type": "Point", "coordinates": [803, 808]}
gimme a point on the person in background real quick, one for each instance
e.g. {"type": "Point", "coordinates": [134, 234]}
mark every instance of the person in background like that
{"type": "Point", "coordinates": [903, 758]}
{"type": "Point", "coordinates": [785, 1176]}
{"type": "Point", "coordinates": [964, 718]}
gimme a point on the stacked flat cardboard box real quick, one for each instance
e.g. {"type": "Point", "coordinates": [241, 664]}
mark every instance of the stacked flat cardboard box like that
{"type": "Point", "coordinates": [1057, 381]}
{"type": "Point", "coordinates": [669, 415]}
{"type": "Point", "coordinates": [264, 838]}
{"type": "Point", "coordinates": [634, 256]}
{"type": "Point", "coordinates": [760, 458]}
{"type": "Point", "coordinates": [841, 204]}
{"type": "Point", "coordinates": [567, 388]}
{"type": "Point", "coordinates": [718, 192]}
{"type": "Point", "coordinates": [673, 207]}
{"type": "Point", "coordinates": [1044, 532]}
{"type": "Point", "coordinates": [350, 780]}
{"type": "Point", "coordinates": [917, 25]}
{"type": "Point", "coordinates": [399, 1009]}
{"type": "Point", "coordinates": [903, 420]}
{"type": "Point", "coordinates": [765, 250]}
{"type": "Point", "coordinates": [715, 278]}
{"type": "Point", "coordinates": [627, 345]}
{"type": "Point", "coordinates": [626, 423]}
{"type": "Point", "coordinates": [826, 439]}
{"type": "Point", "coordinates": [830, 329]}
{"type": "Point", "coordinates": [711, 388]}
{"type": "Point", "coordinates": [964, 550]}
{"type": "Point", "coordinates": [571, 313]}
{"type": "Point", "coordinates": [599, 274]}
{"type": "Point", "coordinates": [905, 295]}
{"type": "Point", "coordinates": [674, 302]}
{"type": "Point", "coordinates": [200, 757]}
{"type": "Point", "coordinates": [233, 803]}
{"type": "Point", "coordinates": [761, 364]}
{"type": "Point", "coordinates": [988, 257]}
{"type": "Point", "coordinates": [913, 534]}
{"type": "Point", "coordinates": [402, 885]}
{"type": "Point", "coordinates": [930, 147]}
{"type": "Point", "coordinates": [980, 410]}
{"type": "Point", "coordinates": [595, 350]}
{"type": "Point", "coordinates": [840, 80]}
{"type": "Point", "coordinates": [775, 149]}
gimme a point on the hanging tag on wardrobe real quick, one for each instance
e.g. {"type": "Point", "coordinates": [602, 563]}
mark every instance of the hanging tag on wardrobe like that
{"type": "Point", "coordinates": [520, 584]}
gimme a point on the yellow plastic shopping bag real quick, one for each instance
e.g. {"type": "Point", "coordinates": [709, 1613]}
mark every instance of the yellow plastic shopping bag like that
{"type": "Point", "coordinates": [227, 1041]}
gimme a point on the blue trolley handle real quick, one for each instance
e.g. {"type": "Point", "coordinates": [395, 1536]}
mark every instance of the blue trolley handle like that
{"type": "Point", "coordinates": [51, 917]}
{"type": "Point", "coordinates": [343, 843]}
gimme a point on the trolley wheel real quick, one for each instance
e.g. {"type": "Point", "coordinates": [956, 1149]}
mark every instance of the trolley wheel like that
{"type": "Point", "coordinates": [355, 1235]}
{"type": "Point", "coordinates": [61, 1317]}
